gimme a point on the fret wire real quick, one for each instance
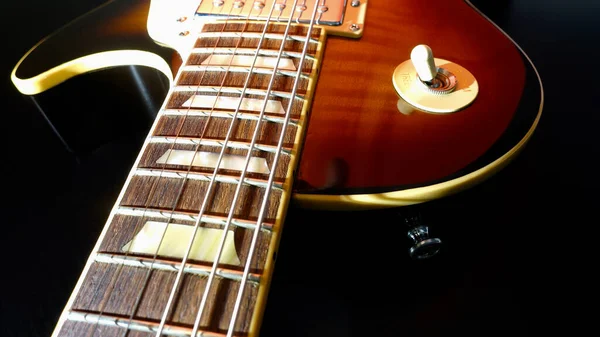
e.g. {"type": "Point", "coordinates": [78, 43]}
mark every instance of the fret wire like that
{"type": "Point", "coordinates": [250, 51]}
{"type": "Point", "coordinates": [225, 178]}
{"type": "Point", "coordinates": [258, 35]}
{"type": "Point", "coordinates": [215, 142]}
{"type": "Point", "coordinates": [134, 324]}
{"type": "Point", "coordinates": [261, 215]}
{"type": "Point", "coordinates": [208, 193]}
{"type": "Point", "coordinates": [235, 90]}
{"type": "Point", "coordinates": [189, 216]}
{"type": "Point", "coordinates": [225, 114]}
{"type": "Point", "coordinates": [242, 69]}
{"type": "Point", "coordinates": [112, 284]}
{"type": "Point", "coordinates": [192, 268]}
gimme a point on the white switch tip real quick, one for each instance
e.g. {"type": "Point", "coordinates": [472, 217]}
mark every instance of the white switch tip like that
{"type": "Point", "coordinates": [422, 59]}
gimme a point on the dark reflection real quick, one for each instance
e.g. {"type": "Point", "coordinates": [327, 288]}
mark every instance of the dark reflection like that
{"type": "Point", "coordinates": [337, 173]}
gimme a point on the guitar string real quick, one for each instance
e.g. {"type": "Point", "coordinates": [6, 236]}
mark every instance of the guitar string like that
{"type": "Point", "coordinates": [217, 257]}
{"type": "Point", "coordinates": [112, 283]}
{"type": "Point", "coordinates": [265, 201]}
{"type": "Point", "coordinates": [210, 190]}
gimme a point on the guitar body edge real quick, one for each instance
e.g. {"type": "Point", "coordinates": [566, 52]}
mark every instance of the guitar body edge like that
{"type": "Point", "coordinates": [120, 30]}
{"type": "Point", "coordinates": [411, 196]}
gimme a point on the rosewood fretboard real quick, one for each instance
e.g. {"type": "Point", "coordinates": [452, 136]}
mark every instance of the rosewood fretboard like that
{"type": "Point", "coordinates": [124, 292]}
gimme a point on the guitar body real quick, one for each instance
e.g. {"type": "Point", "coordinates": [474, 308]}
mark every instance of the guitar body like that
{"type": "Point", "coordinates": [189, 246]}
{"type": "Point", "coordinates": [360, 151]}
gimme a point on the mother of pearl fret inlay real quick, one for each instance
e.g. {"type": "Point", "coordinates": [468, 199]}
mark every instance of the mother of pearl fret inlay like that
{"type": "Point", "coordinates": [225, 102]}
{"type": "Point", "coordinates": [169, 238]}
{"type": "Point", "coordinates": [209, 159]}
{"type": "Point", "coordinates": [246, 61]}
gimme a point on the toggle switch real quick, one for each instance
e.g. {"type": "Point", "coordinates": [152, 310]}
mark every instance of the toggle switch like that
{"type": "Point", "coordinates": [434, 85]}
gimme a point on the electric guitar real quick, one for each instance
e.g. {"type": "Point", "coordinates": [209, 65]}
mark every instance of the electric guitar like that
{"type": "Point", "coordinates": [341, 104]}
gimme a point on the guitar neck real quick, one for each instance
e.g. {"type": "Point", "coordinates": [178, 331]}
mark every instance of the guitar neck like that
{"type": "Point", "coordinates": [189, 248]}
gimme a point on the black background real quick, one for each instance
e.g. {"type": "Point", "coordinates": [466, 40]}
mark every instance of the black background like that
{"type": "Point", "coordinates": [518, 249]}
